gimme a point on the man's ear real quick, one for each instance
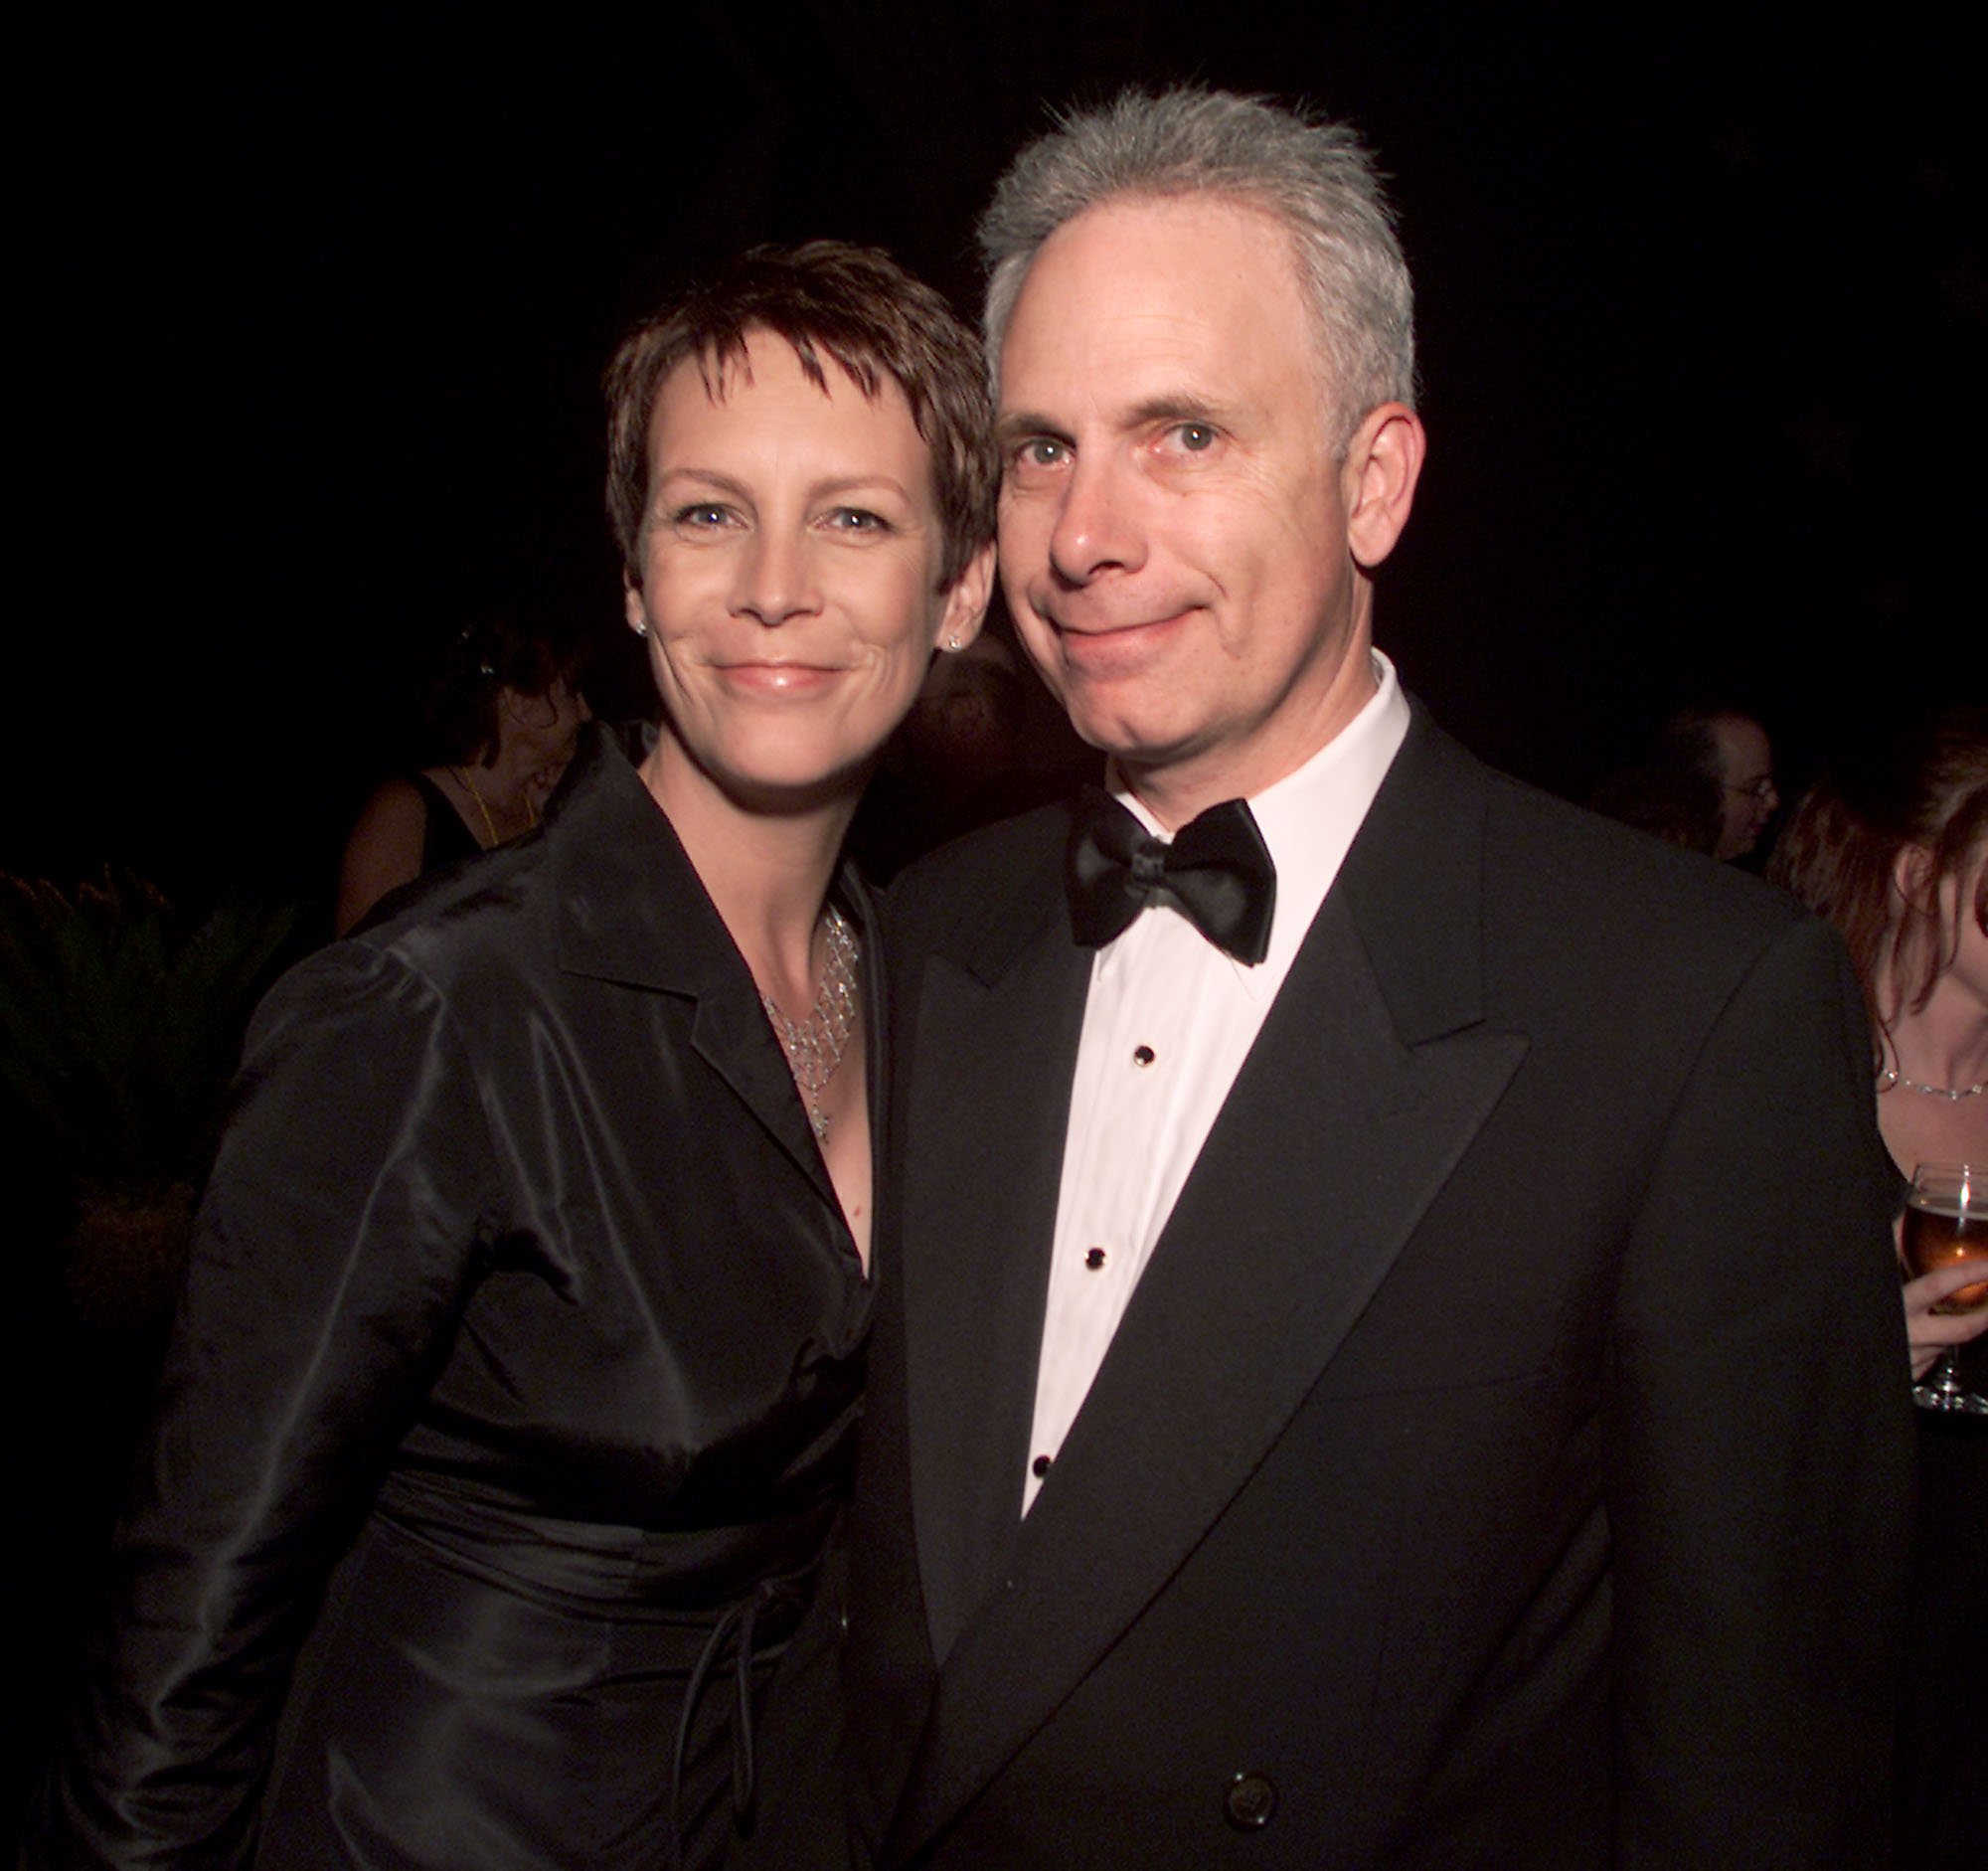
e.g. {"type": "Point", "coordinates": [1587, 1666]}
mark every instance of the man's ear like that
{"type": "Point", "coordinates": [966, 607]}
{"type": "Point", "coordinates": [1383, 461]}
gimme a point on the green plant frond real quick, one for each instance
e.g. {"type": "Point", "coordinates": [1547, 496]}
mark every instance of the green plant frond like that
{"type": "Point", "coordinates": [119, 1030]}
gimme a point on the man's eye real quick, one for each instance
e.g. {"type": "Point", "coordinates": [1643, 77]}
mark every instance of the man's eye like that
{"type": "Point", "coordinates": [1195, 436]}
{"type": "Point", "coordinates": [1041, 451]}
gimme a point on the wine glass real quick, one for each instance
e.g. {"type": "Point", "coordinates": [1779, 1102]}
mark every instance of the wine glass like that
{"type": "Point", "coordinates": [1946, 1220]}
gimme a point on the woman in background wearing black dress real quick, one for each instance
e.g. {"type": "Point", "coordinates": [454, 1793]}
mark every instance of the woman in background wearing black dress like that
{"type": "Point", "coordinates": [505, 715]}
{"type": "Point", "coordinates": [1892, 848]}
{"type": "Point", "coordinates": [512, 1387]}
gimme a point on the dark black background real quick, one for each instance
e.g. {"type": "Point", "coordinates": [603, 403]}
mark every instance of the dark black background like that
{"type": "Point", "coordinates": [314, 308]}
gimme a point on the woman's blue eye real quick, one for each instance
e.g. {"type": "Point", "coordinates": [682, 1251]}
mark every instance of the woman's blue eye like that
{"type": "Point", "coordinates": [704, 512]}
{"type": "Point", "coordinates": [857, 520]}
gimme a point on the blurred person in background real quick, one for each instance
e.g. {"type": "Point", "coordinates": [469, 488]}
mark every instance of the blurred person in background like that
{"type": "Point", "coordinates": [1891, 846]}
{"type": "Point", "coordinates": [1730, 750]}
{"type": "Point", "coordinates": [505, 715]}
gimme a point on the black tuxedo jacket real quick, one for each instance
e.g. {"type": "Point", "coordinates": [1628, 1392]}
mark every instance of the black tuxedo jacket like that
{"type": "Point", "coordinates": [1504, 1458]}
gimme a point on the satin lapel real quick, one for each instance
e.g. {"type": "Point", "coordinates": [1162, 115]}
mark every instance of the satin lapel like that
{"type": "Point", "coordinates": [730, 1033]}
{"type": "Point", "coordinates": [634, 910]}
{"type": "Point", "coordinates": [981, 1155]}
{"type": "Point", "coordinates": [1353, 1106]}
{"type": "Point", "coordinates": [733, 1034]}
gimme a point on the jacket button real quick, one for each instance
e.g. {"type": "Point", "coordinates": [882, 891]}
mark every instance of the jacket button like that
{"type": "Point", "coordinates": [1249, 1802]}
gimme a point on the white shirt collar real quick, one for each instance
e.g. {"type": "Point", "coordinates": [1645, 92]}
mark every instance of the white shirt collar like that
{"type": "Point", "coordinates": [1310, 817]}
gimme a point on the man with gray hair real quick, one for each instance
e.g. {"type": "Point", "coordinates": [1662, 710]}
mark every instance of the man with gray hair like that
{"type": "Point", "coordinates": [1388, 1352]}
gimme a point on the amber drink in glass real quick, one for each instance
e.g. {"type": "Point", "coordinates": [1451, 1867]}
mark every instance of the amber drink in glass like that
{"type": "Point", "coordinates": [1946, 1221]}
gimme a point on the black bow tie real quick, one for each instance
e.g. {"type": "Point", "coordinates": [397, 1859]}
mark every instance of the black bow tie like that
{"type": "Point", "coordinates": [1216, 872]}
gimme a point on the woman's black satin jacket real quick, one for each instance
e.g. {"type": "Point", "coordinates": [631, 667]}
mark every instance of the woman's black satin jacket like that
{"type": "Point", "coordinates": [521, 1343]}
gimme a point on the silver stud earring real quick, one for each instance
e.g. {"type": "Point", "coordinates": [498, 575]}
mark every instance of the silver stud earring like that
{"type": "Point", "coordinates": [640, 630]}
{"type": "Point", "coordinates": [953, 643]}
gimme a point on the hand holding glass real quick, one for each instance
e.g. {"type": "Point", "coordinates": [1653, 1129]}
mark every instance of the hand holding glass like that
{"type": "Point", "coordinates": [1946, 1222]}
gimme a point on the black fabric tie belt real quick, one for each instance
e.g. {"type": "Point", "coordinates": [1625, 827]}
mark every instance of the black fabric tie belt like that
{"type": "Point", "coordinates": [758, 1628]}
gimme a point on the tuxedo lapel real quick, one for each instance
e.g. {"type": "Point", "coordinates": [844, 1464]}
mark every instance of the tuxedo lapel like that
{"type": "Point", "coordinates": [996, 1028]}
{"type": "Point", "coordinates": [1360, 1095]}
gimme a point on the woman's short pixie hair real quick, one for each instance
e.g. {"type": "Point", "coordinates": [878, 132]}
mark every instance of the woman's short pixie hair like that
{"type": "Point", "coordinates": [854, 304]}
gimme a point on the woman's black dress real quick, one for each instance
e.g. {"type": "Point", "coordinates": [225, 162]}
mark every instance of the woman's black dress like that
{"type": "Point", "coordinates": [1943, 1730]}
{"type": "Point", "coordinates": [446, 839]}
{"type": "Point", "coordinates": [515, 1373]}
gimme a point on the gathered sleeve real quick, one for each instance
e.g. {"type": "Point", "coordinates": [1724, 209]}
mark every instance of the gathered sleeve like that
{"type": "Point", "coordinates": [335, 1249]}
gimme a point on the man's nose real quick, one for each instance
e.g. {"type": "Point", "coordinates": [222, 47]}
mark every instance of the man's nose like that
{"type": "Point", "coordinates": [1097, 525]}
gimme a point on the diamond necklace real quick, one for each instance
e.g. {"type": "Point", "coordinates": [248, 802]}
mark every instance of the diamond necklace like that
{"type": "Point", "coordinates": [814, 1045]}
{"type": "Point", "coordinates": [1953, 1093]}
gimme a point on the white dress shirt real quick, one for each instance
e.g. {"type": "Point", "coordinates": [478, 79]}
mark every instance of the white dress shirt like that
{"type": "Point", "coordinates": [1169, 1020]}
